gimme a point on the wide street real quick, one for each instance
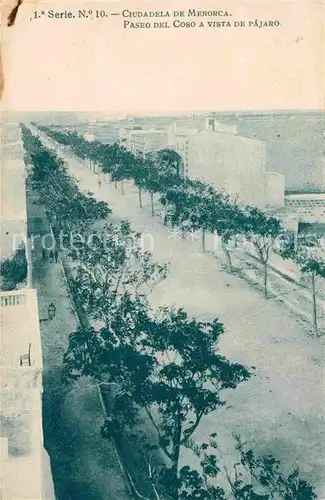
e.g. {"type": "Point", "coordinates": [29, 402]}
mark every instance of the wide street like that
{"type": "Point", "coordinates": [280, 409]}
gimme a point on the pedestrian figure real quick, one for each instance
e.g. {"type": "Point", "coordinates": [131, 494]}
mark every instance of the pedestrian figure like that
{"type": "Point", "coordinates": [56, 254]}
{"type": "Point", "coordinates": [51, 256]}
{"type": "Point", "coordinates": [43, 254]}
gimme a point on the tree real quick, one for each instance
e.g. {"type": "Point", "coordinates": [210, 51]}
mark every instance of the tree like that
{"type": "Point", "coordinates": [83, 209]}
{"type": "Point", "coordinates": [251, 478]}
{"type": "Point", "coordinates": [65, 205]}
{"type": "Point", "coordinates": [185, 206]}
{"type": "Point", "coordinates": [111, 353]}
{"type": "Point", "coordinates": [310, 256]}
{"type": "Point", "coordinates": [225, 220]}
{"type": "Point", "coordinates": [108, 264]}
{"type": "Point", "coordinates": [262, 231]}
{"type": "Point", "coordinates": [109, 157]}
{"type": "Point", "coordinates": [14, 270]}
{"type": "Point", "coordinates": [153, 181]}
{"type": "Point", "coordinates": [169, 164]}
{"type": "Point", "coordinates": [141, 176]}
{"type": "Point", "coordinates": [219, 215]}
{"type": "Point", "coordinates": [123, 167]}
{"type": "Point", "coordinates": [174, 203]}
{"type": "Point", "coordinates": [63, 138]}
{"type": "Point", "coordinates": [194, 205]}
{"type": "Point", "coordinates": [187, 380]}
{"type": "Point", "coordinates": [168, 364]}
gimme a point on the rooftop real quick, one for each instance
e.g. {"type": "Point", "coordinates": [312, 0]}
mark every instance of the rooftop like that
{"type": "Point", "coordinates": [147, 131]}
{"type": "Point", "coordinates": [185, 132]}
{"type": "Point", "coordinates": [305, 196]}
{"type": "Point", "coordinates": [215, 136]}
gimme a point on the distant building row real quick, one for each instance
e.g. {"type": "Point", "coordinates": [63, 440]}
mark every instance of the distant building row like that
{"type": "Point", "coordinates": [216, 154]}
{"type": "Point", "coordinates": [220, 153]}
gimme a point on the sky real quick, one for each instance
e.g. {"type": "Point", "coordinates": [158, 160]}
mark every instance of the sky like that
{"type": "Point", "coordinates": [96, 64]}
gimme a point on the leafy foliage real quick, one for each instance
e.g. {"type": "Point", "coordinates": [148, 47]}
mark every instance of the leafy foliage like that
{"type": "Point", "coordinates": [14, 270]}
{"type": "Point", "coordinates": [66, 206]}
{"type": "Point", "coordinates": [190, 204]}
{"type": "Point", "coordinates": [167, 363]}
{"type": "Point", "coordinates": [111, 267]}
{"type": "Point", "coordinates": [262, 231]}
{"type": "Point", "coordinates": [309, 254]}
{"type": "Point", "coordinates": [251, 478]}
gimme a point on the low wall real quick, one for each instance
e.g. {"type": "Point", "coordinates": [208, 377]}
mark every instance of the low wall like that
{"type": "Point", "coordinates": [309, 208]}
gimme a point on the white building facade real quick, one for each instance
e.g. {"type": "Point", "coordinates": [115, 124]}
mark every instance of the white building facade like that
{"type": "Point", "coordinates": [25, 465]}
{"type": "Point", "coordinates": [274, 190]}
{"type": "Point", "coordinates": [13, 228]}
{"type": "Point", "coordinates": [145, 141]}
{"type": "Point", "coordinates": [226, 161]}
{"type": "Point", "coordinates": [13, 190]}
{"type": "Point", "coordinates": [215, 154]}
{"type": "Point", "coordinates": [308, 208]}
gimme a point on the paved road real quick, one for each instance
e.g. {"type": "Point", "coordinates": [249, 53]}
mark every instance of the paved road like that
{"type": "Point", "coordinates": [280, 409]}
{"type": "Point", "coordinates": [84, 466]}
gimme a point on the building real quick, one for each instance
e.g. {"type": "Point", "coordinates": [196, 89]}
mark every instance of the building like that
{"type": "Point", "coordinates": [13, 228]}
{"type": "Point", "coordinates": [274, 189]}
{"type": "Point", "coordinates": [147, 140]}
{"type": "Point", "coordinates": [320, 174]}
{"type": "Point", "coordinates": [217, 126]}
{"type": "Point", "coordinates": [295, 142]}
{"type": "Point", "coordinates": [225, 160]}
{"type": "Point", "coordinates": [308, 208]}
{"type": "Point", "coordinates": [105, 132]}
{"type": "Point", "coordinates": [13, 192]}
{"type": "Point", "coordinates": [179, 140]}
{"type": "Point", "coordinates": [25, 465]}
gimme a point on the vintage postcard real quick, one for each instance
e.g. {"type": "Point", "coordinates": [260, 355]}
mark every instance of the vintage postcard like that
{"type": "Point", "coordinates": [162, 250]}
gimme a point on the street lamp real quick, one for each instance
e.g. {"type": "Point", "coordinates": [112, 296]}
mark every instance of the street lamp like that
{"type": "Point", "coordinates": [51, 311]}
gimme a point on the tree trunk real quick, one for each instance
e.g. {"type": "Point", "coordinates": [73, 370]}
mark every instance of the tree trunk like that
{"type": "Point", "coordinates": [203, 240]}
{"type": "Point", "coordinates": [115, 184]}
{"type": "Point", "coordinates": [265, 279]}
{"type": "Point", "coordinates": [314, 303]}
{"type": "Point", "coordinates": [164, 215]}
{"type": "Point", "coordinates": [227, 254]}
{"type": "Point", "coordinates": [122, 187]}
{"type": "Point", "coordinates": [140, 197]}
{"type": "Point", "coordinates": [152, 204]}
{"type": "Point", "coordinates": [175, 460]}
{"type": "Point", "coordinates": [110, 178]}
{"type": "Point", "coordinates": [173, 487]}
